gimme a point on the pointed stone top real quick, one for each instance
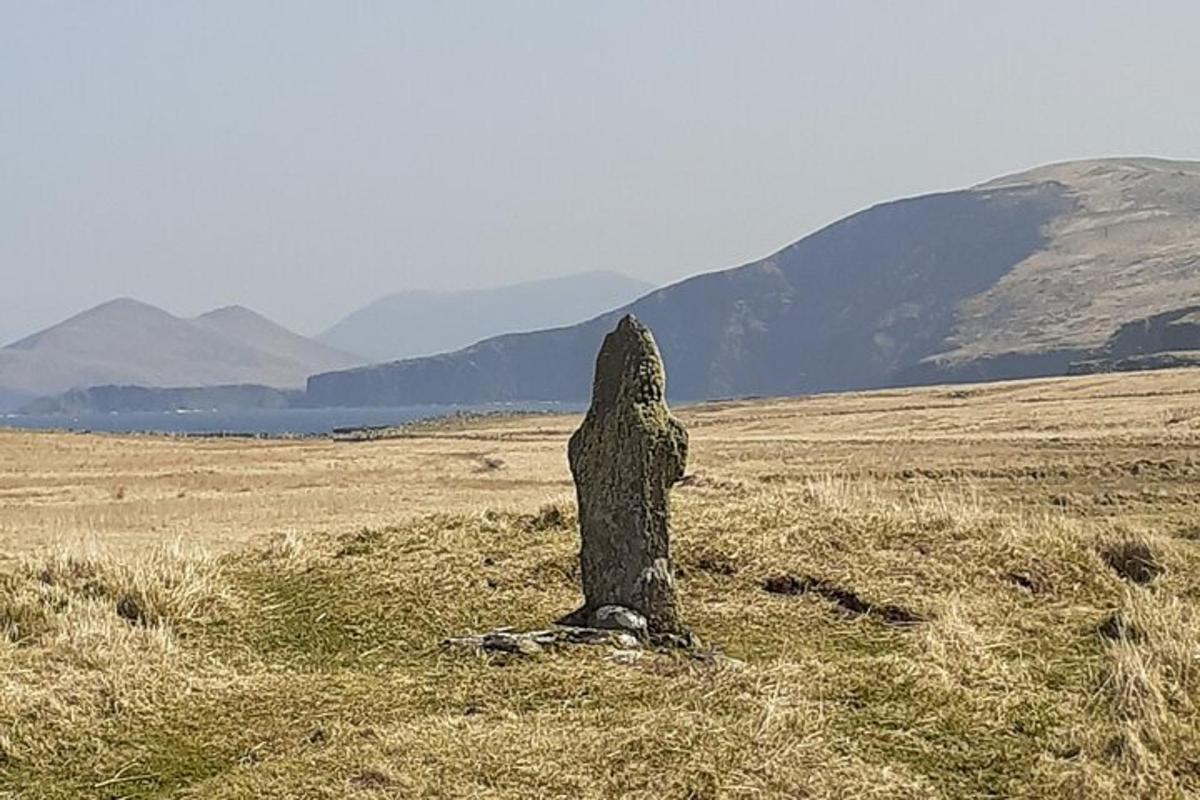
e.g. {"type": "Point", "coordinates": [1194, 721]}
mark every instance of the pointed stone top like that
{"type": "Point", "coordinates": [629, 368]}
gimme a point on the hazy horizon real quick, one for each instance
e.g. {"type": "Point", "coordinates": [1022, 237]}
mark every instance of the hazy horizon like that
{"type": "Point", "coordinates": [484, 287]}
{"type": "Point", "coordinates": [305, 159]}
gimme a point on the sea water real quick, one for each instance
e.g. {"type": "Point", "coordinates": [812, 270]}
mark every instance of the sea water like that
{"type": "Point", "coordinates": [266, 422]}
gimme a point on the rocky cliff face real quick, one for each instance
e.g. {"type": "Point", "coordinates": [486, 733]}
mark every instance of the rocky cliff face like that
{"type": "Point", "coordinates": [1162, 341]}
{"type": "Point", "coordinates": [1172, 331]}
{"type": "Point", "coordinates": [1017, 277]}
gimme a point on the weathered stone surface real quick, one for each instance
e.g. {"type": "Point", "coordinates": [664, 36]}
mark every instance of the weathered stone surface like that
{"type": "Point", "coordinates": [625, 457]}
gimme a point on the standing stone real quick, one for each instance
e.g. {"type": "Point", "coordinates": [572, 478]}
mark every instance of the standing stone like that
{"type": "Point", "coordinates": [625, 457]}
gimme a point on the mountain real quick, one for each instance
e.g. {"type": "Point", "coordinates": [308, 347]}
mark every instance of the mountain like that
{"type": "Point", "coordinates": [1019, 276]}
{"type": "Point", "coordinates": [252, 329]}
{"type": "Point", "coordinates": [422, 323]}
{"type": "Point", "coordinates": [125, 341]}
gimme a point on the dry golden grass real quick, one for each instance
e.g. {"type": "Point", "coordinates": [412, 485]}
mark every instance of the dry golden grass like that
{"type": "Point", "coordinates": [302, 658]}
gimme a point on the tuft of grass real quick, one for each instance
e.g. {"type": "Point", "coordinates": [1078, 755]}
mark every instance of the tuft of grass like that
{"type": "Point", "coordinates": [1149, 691]}
{"type": "Point", "coordinates": [91, 640]}
{"type": "Point", "coordinates": [1132, 557]}
{"type": "Point", "coordinates": [168, 586]}
{"type": "Point", "coordinates": [550, 517]}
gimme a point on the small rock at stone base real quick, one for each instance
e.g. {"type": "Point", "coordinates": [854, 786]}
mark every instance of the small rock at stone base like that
{"type": "Point", "coordinates": [619, 618]}
{"type": "Point", "coordinates": [626, 640]}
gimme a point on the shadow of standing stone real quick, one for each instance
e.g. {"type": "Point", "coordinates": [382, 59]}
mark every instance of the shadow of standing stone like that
{"type": "Point", "coordinates": [625, 457]}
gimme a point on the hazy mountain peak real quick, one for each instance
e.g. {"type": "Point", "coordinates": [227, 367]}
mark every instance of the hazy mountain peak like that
{"type": "Point", "coordinates": [126, 341]}
{"type": "Point", "coordinates": [122, 304]}
{"type": "Point", "coordinates": [593, 277]}
{"type": "Point", "coordinates": [237, 320]}
{"type": "Point", "coordinates": [234, 311]}
{"type": "Point", "coordinates": [420, 322]}
{"type": "Point", "coordinates": [243, 324]}
{"type": "Point", "coordinates": [125, 311]}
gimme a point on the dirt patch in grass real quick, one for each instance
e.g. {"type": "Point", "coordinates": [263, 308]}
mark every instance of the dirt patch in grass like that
{"type": "Point", "coordinates": [1132, 558]}
{"type": "Point", "coordinates": [846, 600]}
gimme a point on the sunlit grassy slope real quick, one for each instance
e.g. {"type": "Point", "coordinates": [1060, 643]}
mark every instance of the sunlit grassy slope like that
{"type": "Point", "coordinates": [1046, 534]}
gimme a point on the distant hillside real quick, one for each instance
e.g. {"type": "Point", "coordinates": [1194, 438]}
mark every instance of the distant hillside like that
{"type": "Point", "coordinates": [422, 323]}
{"type": "Point", "coordinates": [254, 330]}
{"type": "Point", "coordinates": [10, 400]}
{"type": "Point", "coordinates": [111, 399]}
{"type": "Point", "coordinates": [1016, 277]}
{"type": "Point", "coordinates": [127, 342]}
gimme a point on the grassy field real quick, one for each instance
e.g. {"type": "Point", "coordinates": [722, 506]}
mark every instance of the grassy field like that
{"type": "Point", "coordinates": [227, 619]}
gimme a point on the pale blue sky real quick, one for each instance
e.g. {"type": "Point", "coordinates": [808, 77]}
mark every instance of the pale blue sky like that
{"type": "Point", "coordinates": [303, 158]}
